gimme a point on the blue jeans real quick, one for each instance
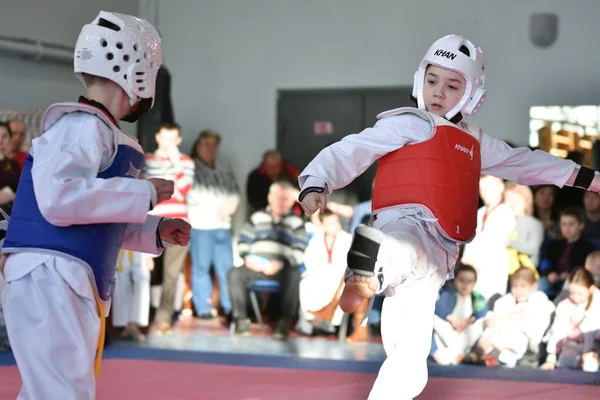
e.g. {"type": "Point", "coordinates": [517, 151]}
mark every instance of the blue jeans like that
{"type": "Point", "coordinates": [210, 247]}
{"type": "Point", "coordinates": [551, 289]}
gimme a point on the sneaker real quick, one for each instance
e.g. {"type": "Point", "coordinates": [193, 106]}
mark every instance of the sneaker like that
{"type": "Point", "coordinates": [242, 327]}
{"type": "Point", "coordinates": [304, 327]}
{"type": "Point", "coordinates": [591, 364]}
{"type": "Point", "coordinates": [205, 317]}
{"type": "Point", "coordinates": [161, 329]}
{"type": "Point", "coordinates": [282, 330]}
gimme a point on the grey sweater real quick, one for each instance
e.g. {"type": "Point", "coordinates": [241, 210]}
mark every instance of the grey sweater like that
{"type": "Point", "coordinates": [527, 237]}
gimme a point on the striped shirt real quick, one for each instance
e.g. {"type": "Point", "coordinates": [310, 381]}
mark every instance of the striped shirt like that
{"type": "Point", "coordinates": [182, 174]}
{"type": "Point", "coordinates": [213, 189]}
{"type": "Point", "coordinates": [285, 240]}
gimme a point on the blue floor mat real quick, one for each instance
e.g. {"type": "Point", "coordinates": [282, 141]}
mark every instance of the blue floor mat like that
{"type": "Point", "coordinates": [116, 351]}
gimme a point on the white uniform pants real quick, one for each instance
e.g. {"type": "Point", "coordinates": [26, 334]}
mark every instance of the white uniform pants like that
{"type": "Point", "coordinates": [131, 300]}
{"type": "Point", "coordinates": [414, 268]}
{"type": "Point", "coordinates": [54, 326]}
{"type": "Point", "coordinates": [451, 343]}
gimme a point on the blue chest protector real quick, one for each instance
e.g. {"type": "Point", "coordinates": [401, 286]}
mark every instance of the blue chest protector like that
{"type": "Point", "coordinates": [97, 245]}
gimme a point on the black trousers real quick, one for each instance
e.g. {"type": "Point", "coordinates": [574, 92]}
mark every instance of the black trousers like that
{"type": "Point", "coordinates": [241, 279]}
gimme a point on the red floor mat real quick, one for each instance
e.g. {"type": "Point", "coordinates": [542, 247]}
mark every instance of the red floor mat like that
{"type": "Point", "coordinates": [162, 380]}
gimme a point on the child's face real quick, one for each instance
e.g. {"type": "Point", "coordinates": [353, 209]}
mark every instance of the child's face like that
{"type": "Point", "coordinates": [331, 225]}
{"type": "Point", "coordinates": [168, 138]}
{"type": "Point", "coordinates": [515, 201]}
{"type": "Point", "coordinates": [544, 197]}
{"type": "Point", "coordinates": [491, 189]}
{"type": "Point", "coordinates": [521, 289]}
{"type": "Point", "coordinates": [4, 138]}
{"type": "Point", "coordinates": [579, 294]}
{"type": "Point", "coordinates": [570, 227]}
{"type": "Point", "coordinates": [593, 267]}
{"type": "Point", "coordinates": [442, 90]}
{"type": "Point", "coordinates": [591, 202]}
{"type": "Point", "coordinates": [465, 282]}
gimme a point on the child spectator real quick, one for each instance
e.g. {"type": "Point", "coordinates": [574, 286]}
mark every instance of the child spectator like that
{"type": "Point", "coordinates": [322, 282]}
{"type": "Point", "coordinates": [458, 320]}
{"type": "Point", "coordinates": [574, 337]}
{"type": "Point", "coordinates": [516, 324]}
{"type": "Point", "coordinates": [564, 255]}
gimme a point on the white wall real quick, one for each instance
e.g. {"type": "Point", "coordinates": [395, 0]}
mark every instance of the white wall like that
{"type": "Point", "coordinates": [229, 57]}
{"type": "Point", "coordinates": [30, 84]}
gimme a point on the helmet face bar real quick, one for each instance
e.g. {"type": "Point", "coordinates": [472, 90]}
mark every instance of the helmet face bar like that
{"type": "Point", "coordinates": [124, 49]}
{"type": "Point", "coordinates": [446, 53]}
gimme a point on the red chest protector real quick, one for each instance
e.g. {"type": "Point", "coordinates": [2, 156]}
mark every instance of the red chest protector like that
{"type": "Point", "coordinates": [441, 174]}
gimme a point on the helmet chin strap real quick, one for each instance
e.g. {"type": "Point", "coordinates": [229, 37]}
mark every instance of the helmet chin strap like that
{"type": "Point", "coordinates": [138, 109]}
{"type": "Point", "coordinates": [457, 118]}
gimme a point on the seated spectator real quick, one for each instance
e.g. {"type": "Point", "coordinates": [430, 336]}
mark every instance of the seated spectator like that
{"type": "Point", "coordinates": [592, 264]}
{"type": "Point", "coordinates": [516, 323]}
{"type": "Point", "coordinates": [574, 339]}
{"type": "Point", "coordinates": [272, 169]}
{"type": "Point", "coordinates": [544, 209]}
{"type": "Point", "coordinates": [527, 237]}
{"type": "Point", "coordinates": [272, 244]}
{"type": "Point", "coordinates": [458, 320]}
{"type": "Point", "coordinates": [564, 255]}
{"type": "Point", "coordinates": [10, 172]}
{"type": "Point", "coordinates": [323, 280]}
{"type": "Point", "coordinates": [591, 218]}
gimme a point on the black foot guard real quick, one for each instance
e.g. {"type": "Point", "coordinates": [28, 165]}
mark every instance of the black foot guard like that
{"type": "Point", "coordinates": [363, 251]}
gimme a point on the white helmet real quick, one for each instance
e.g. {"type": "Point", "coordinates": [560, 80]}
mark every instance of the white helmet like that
{"type": "Point", "coordinates": [460, 55]}
{"type": "Point", "coordinates": [124, 49]}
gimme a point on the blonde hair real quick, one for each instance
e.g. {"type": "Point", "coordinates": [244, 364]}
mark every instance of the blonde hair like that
{"type": "Point", "coordinates": [583, 277]}
{"type": "Point", "coordinates": [592, 258]}
{"type": "Point", "coordinates": [523, 191]}
{"type": "Point", "coordinates": [525, 274]}
{"type": "Point", "coordinates": [285, 185]}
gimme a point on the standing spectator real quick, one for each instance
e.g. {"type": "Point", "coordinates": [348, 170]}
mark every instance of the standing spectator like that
{"type": "Point", "coordinates": [14, 148]}
{"type": "Point", "coordinates": [214, 198]}
{"type": "Point", "coordinates": [168, 163]}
